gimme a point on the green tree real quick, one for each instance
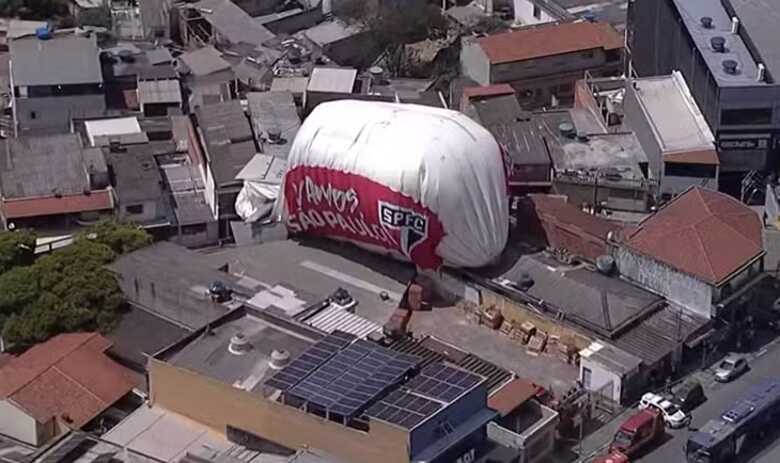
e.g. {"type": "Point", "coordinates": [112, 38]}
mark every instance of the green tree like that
{"type": "Point", "coordinates": [99, 17]}
{"type": "Point", "coordinates": [69, 289]}
{"type": "Point", "coordinates": [16, 248]}
{"type": "Point", "coordinates": [121, 238]}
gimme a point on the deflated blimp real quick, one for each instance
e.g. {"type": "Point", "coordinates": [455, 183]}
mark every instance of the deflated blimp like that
{"type": "Point", "coordinates": [424, 184]}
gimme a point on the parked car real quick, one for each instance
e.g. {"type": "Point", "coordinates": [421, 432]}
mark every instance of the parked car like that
{"type": "Point", "coordinates": [730, 368]}
{"type": "Point", "coordinates": [688, 395]}
{"type": "Point", "coordinates": [671, 413]}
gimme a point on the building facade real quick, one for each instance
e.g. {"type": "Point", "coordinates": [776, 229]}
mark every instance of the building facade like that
{"type": "Point", "coordinates": [726, 51]}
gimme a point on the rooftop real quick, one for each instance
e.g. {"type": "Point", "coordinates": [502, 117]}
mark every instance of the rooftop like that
{"type": "Point", "coordinates": [68, 366]}
{"type": "Point", "coordinates": [549, 39]}
{"type": "Point", "coordinates": [101, 132]}
{"type": "Point", "coordinates": [47, 165]}
{"type": "Point", "coordinates": [703, 233]}
{"type": "Point", "coordinates": [296, 85]}
{"type": "Point", "coordinates": [233, 23]}
{"type": "Point", "coordinates": [602, 304]}
{"type": "Point", "coordinates": [151, 91]}
{"type": "Point", "coordinates": [611, 357]}
{"type": "Point", "coordinates": [513, 394]}
{"type": "Point", "coordinates": [668, 106]}
{"type": "Point", "coordinates": [759, 22]}
{"type": "Point", "coordinates": [67, 58]}
{"type": "Point", "coordinates": [79, 447]}
{"type": "Point", "coordinates": [100, 200]}
{"type": "Point", "coordinates": [336, 80]}
{"type": "Point", "coordinates": [331, 31]}
{"type": "Point", "coordinates": [211, 355]}
{"type": "Point", "coordinates": [136, 175]}
{"type": "Point", "coordinates": [228, 137]}
{"type": "Point", "coordinates": [590, 147]}
{"type": "Point", "coordinates": [609, 11]}
{"type": "Point", "coordinates": [735, 49]}
{"type": "Point", "coordinates": [141, 432]}
{"type": "Point", "coordinates": [274, 112]}
{"type": "Point", "coordinates": [188, 191]}
{"type": "Point", "coordinates": [519, 132]}
{"type": "Point", "coordinates": [204, 61]}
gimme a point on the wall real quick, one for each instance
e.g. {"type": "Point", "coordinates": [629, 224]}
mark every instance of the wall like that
{"type": "Point", "coordinates": [524, 13]}
{"type": "Point", "coordinates": [149, 213]}
{"type": "Point", "coordinates": [518, 313]}
{"type": "Point", "coordinates": [426, 433]}
{"type": "Point", "coordinates": [474, 63]}
{"type": "Point", "coordinates": [600, 378]}
{"type": "Point", "coordinates": [216, 405]}
{"type": "Point", "coordinates": [675, 185]}
{"type": "Point", "coordinates": [17, 424]}
{"type": "Point", "coordinates": [295, 23]}
{"type": "Point", "coordinates": [199, 235]}
{"type": "Point", "coordinates": [55, 113]}
{"type": "Point", "coordinates": [693, 294]}
{"type": "Point", "coordinates": [643, 129]}
{"type": "Point", "coordinates": [549, 66]}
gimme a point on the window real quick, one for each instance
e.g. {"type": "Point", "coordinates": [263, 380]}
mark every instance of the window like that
{"type": "Point", "coordinates": [674, 169]}
{"type": "Point", "coordinates": [33, 115]}
{"type": "Point", "coordinates": [746, 116]}
{"type": "Point", "coordinates": [135, 209]}
{"type": "Point", "coordinates": [537, 12]}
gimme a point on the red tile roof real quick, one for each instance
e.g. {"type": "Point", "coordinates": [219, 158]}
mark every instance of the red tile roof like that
{"type": "Point", "coordinates": [488, 90]}
{"type": "Point", "coordinates": [709, 157]}
{"type": "Point", "coordinates": [548, 40]}
{"type": "Point", "coordinates": [512, 395]}
{"type": "Point", "coordinates": [68, 377]}
{"type": "Point", "coordinates": [703, 233]}
{"type": "Point", "coordinates": [5, 358]}
{"type": "Point", "coordinates": [67, 204]}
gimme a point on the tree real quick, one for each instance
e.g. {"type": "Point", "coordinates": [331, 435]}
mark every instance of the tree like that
{"type": "Point", "coordinates": [69, 289]}
{"type": "Point", "coordinates": [99, 17]}
{"type": "Point", "coordinates": [395, 23]}
{"type": "Point", "coordinates": [16, 248]}
{"type": "Point", "coordinates": [121, 238]}
{"type": "Point", "coordinates": [33, 9]}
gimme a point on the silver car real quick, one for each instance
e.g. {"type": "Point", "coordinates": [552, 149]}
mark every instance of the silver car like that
{"type": "Point", "coordinates": [730, 367]}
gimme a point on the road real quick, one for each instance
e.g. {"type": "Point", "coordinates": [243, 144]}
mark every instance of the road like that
{"type": "Point", "coordinates": [764, 364]}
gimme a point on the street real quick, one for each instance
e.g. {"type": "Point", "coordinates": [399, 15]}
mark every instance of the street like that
{"type": "Point", "coordinates": [764, 364]}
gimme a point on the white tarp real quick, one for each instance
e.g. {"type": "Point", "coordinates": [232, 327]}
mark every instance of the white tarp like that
{"type": "Point", "coordinates": [262, 178]}
{"type": "Point", "coordinates": [421, 183]}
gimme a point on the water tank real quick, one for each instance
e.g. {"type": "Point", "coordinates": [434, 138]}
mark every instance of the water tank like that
{"type": "Point", "coordinates": [43, 32]}
{"type": "Point", "coordinates": [605, 264]}
{"type": "Point", "coordinates": [567, 129]}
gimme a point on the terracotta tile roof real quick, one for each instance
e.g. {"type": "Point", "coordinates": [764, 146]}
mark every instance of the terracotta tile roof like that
{"type": "Point", "coordinates": [5, 358]}
{"type": "Point", "coordinates": [703, 233]}
{"type": "Point", "coordinates": [709, 157]}
{"type": "Point", "coordinates": [512, 395]}
{"type": "Point", "coordinates": [68, 377]}
{"type": "Point", "coordinates": [548, 40]}
{"type": "Point", "coordinates": [488, 90]}
{"type": "Point", "coordinates": [51, 205]}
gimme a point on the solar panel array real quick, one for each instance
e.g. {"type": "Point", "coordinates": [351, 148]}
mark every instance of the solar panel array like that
{"type": "Point", "coordinates": [353, 377]}
{"type": "Point", "coordinates": [436, 385]}
{"type": "Point", "coordinates": [342, 373]}
{"type": "Point", "coordinates": [443, 382]}
{"type": "Point", "coordinates": [403, 409]}
{"type": "Point", "coordinates": [310, 360]}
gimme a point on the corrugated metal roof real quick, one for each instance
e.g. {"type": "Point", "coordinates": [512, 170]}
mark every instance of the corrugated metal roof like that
{"type": "Point", "coordinates": [335, 318]}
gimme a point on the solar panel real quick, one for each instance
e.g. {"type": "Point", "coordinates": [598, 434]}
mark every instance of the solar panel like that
{"type": "Point", "coordinates": [353, 377]}
{"type": "Point", "coordinates": [442, 382]}
{"type": "Point", "coordinates": [308, 362]}
{"type": "Point", "coordinates": [403, 409]}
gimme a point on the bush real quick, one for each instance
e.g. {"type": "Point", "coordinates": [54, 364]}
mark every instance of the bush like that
{"type": "Point", "coordinates": [16, 248]}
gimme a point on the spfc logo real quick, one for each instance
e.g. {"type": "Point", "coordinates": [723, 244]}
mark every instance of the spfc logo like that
{"type": "Point", "coordinates": [412, 225]}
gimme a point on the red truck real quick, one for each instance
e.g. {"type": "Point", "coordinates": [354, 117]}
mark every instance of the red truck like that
{"type": "Point", "coordinates": [642, 428]}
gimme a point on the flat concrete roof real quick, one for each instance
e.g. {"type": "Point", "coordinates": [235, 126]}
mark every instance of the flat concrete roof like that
{"type": "Point", "coordinates": [210, 354]}
{"type": "Point", "coordinates": [736, 49]}
{"type": "Point", "coordinates": [336, 80]}
{"type": "Point", "coordinates": [164, 435]}
{"type": "Point", "coordinates": [677, 122]}
{"type": "Point", "coordinates": [760, 19]}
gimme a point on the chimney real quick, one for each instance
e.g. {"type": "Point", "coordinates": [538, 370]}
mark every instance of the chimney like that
{"type": "Point", "coordinates": [734, 25]}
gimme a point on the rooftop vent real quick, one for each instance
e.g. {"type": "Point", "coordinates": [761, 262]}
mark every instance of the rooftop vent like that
{"type": "Point", "coordinates": [706, 22]}
{"type": "Point", "coordinates": [718, 44]}
{"type": "Point", "coordinates": [567, 130]}
{"type": "Point", "coordinates": [239, 345]}
{"type": "Point", "coordinates": [730, 66]}
{"type": "Point", "coordinates": [279, 359]}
